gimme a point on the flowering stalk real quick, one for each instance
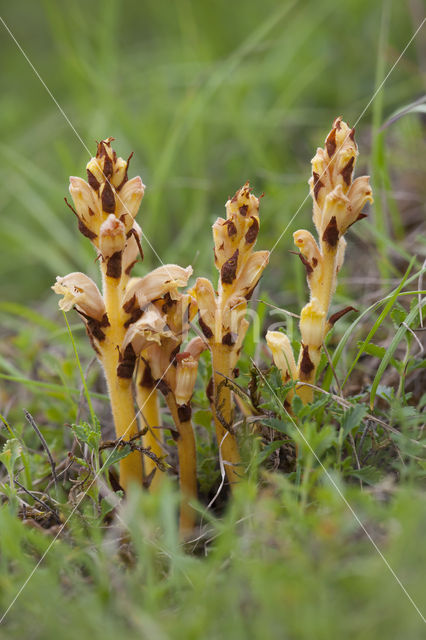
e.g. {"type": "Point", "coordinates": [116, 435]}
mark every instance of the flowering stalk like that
{"type": "Point", "coordinates": [337, 204]}
{"type": "Point", "coordinates": [148, 403]}
{"type": "Point", "coordinates": [159, 334]}
{"type": "Point", "coordinates": [105, 208]}
{"type": "Point", "coordinates": [222, 315]}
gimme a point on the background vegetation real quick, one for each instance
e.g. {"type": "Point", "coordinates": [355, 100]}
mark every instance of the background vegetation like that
{"type": "Point", "coordinates": [208, 95]}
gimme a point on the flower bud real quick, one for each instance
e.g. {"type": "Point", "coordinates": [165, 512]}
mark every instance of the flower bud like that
{"type": "Point", "coordinates": [119, 173]}
{"type": "Point", "coordinates": [250, 274]}
{"type": "Point", "coordinates": [359, 194]}
{"type": "Point", "coordinates": [112, 237]}
{"type": "Point", "coordinates": [128, 201]}
{"type": "Point", "coordinates": [312, 324]}
{"type": "Point", "coordinates": [282, 354]}
{"type": "Point", "coordinates": [206, 300]}
{"type": "Point", "coordinates": [244, 203]}
{"type": "Point", "coordinates": [186, 370]}
{"type": "Point", "coordinates": [150, 328]}
{"type": "Point", "coordinates": [335, 215]}
{"type": "Point", "coordinates": [85, 203]}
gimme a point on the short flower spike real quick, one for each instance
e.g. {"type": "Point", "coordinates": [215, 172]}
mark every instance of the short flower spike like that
{"type": "Point", "coordinates": [222, 316]}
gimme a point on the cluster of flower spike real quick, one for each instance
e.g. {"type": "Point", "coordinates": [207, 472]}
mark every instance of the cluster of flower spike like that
{"type": "Point", "coordinates": [126, 317]}
{"type": "Point", "coordinates": [338, 201]}
{"type": "Point", "coordinates": [142, 323]}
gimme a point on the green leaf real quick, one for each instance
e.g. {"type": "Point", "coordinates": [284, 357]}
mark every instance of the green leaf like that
{"type": "Point", "coordinates": [352, 418]}
{"type": "Point", "coordinates": [372, 349]}
{"type": "Point", "coordinates": [269, 449]}
{"type": "Point", "coordinates": [370, 475]}
{"type": "Point", "coordinates": [117, 454]}
{"type": "Point", "coordinates": [11, 453]}
{"type": "Point", "coordinates": [85, 433]}
{"type": "Point", "coordinates": [398, 315]}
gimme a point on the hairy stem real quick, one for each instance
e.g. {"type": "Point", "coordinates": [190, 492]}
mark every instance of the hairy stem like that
{"type": "Point", "coordinates": [226, 440]}
{"type": "Point", "coordinates": [147, 400]}
{"type": "Point", "coordinates": [119, 388]}
{"type": "Point", "coordinates": [187, 466]}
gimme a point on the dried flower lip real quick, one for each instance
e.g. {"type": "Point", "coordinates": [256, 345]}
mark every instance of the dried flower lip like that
{"type": "Point", "coordinates": [80, 291]}
{"type": "Point", "coordinates": [133, 248]}
{"type": "Point", "coordinates": [165, 279]}
{"type": "Point", "coordinates": [150, 328]}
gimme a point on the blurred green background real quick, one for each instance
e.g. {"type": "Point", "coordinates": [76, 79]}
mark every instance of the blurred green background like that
{"type": "Point", "coordinates": [207, 95]}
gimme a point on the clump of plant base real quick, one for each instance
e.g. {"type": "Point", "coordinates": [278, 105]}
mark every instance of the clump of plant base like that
{"type": "Point", "coordinates": [338, 201]}
{"type": "Point", "coordinates": [139, 327]}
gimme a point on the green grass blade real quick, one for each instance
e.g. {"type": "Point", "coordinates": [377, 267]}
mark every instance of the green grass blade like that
{"type": "Point", "coordinates": [391, 350]}
{"type": "Point", "coordinates": [49, 387]}
{"type": "Point", "coordinates": [391, 301]}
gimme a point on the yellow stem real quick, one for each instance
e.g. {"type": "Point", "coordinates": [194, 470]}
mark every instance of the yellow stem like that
{"type": "Point", "coordinates": [227, 442]}
{"type": "Point", "coordinates": [323, 291]}
{"type": "Point", "coordinates": [187, 455]}
{"type": "Point", "coordinates": [120, 389]}
{"type": "Point", "coordinates": [327, 283]}
{"type": "Point", "coordinates": [147, 400]}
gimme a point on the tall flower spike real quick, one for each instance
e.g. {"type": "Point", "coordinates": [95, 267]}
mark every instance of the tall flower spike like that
{"type": "Point", "coordinates": [337, 203]}
{"type": "Point", "coordinates": [106, 207]}
{"type": "Point", "coordinates": [222, 316]}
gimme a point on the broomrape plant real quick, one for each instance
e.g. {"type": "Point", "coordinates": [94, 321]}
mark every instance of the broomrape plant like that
{"type": "Point", "coordinates": [222, 315]}
{"type": "Point", "coordinates": [142, 324]}
{"type": "Point", "coordinates": [337, 204]}
{"type": "Point", "coordinates": [157, 338]}
{"type": "Point", "coordinates": [106, 207]}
